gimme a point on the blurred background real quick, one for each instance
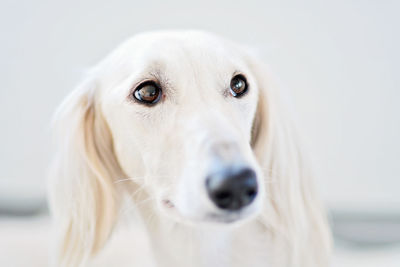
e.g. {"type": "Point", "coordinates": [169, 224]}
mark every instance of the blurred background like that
{"type": "Point", "coordinates": [339, 60]}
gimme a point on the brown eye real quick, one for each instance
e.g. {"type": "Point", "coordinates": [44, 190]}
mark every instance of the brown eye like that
{"type": "Point", "coordinates": [148, 93]}
{"type": "Point", "coordinates": [238, 85]}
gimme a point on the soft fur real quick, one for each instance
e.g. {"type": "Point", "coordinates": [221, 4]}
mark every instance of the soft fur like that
{"type": "Point", "coordinates": [113, 150]}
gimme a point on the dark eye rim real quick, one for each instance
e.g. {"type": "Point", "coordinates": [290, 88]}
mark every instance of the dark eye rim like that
{"type": "Point", "coordinates": [143, 84]}
{"type": "Point", "coordinates": [246, 89]}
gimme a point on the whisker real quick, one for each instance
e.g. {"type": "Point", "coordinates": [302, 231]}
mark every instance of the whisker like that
{"type": "Point", "coordinates": [123, 180]}
{"type": "Point", "coordinates": [136, 205]}
{"type": "Point", "coordinates": [140, 177]}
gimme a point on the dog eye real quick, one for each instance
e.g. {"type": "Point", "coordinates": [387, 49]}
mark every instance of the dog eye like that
{"type": "Point", "coordinates": [148, 93]}
{"type": "Point", "coordinates": [238, 85]}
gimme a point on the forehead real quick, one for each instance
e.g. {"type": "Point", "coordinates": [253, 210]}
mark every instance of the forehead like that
{"type": "Point", "coordinates": [182, 45]}
{"type": "Point", "coordinates": [191, 53]}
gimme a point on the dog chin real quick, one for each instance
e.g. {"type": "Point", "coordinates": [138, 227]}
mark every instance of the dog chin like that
{"type": "Point", "coordinates": [213, 219]}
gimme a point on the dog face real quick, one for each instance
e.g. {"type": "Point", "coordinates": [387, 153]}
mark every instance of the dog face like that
{"type": "Point", "coordinates": [181, 121]}
{"type": "Point", "coordinates": [180, 108]}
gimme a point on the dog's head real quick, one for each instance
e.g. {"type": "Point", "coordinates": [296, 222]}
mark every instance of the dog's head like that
{"type": "Point", "coordinates": [178, 120]}
{"type": "Point", "coordinates": [181, 109]}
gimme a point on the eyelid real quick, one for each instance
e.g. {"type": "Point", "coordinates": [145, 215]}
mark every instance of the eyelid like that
{"type": "Point", "coordinates": [239, 74]}
{"type": "Point", "coordinates": [138, 83]}
{"type": "Point", "coordinates": [144, 81]}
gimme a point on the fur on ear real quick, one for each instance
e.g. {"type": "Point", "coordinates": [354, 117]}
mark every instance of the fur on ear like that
{"type": "Point", "coordinates": [82, 192]}
{"type": "Point", "coordinates": [293, 213]}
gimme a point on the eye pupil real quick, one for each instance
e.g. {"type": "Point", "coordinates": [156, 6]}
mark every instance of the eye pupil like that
{"type": "Point", "coordinates": [148, 93]}
{"type": "Point", "coordinates": [238, 85]}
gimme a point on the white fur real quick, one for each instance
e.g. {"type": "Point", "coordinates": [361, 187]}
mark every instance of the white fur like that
{"type": "Point", "coordinates": [113, 150]}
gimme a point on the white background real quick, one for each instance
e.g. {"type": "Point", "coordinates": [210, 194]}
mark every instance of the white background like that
{"type": "Point", "coordinates": [339, 58]}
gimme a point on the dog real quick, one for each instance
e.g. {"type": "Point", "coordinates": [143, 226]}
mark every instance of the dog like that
{"type": "Point", "coordinates": [189, 128]}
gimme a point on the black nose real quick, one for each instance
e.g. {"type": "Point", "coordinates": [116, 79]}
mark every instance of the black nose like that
{"type": "Point", "coordinates": [232, 189]}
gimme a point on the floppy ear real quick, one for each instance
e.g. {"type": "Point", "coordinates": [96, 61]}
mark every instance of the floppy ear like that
{"type": "Point", "coordinates": [82, 192]}
{"type": "Point", "coordinates": [292, 214]}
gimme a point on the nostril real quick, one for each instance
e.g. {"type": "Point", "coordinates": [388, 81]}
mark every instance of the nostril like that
{"type": "Point", "coordinates": [251, 193]}
{"type": "Point", "coordinates": [223, 195]}
{"type": "Point", "coordinates": [232, 188]}
{"type": "Point", "coordinates": [223, 198]}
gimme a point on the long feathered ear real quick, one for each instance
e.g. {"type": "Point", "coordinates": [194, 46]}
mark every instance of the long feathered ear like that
{"type": "Point", "coordinates": [82, 192]}
{"type": "Point", "coordinates": [293, 213]}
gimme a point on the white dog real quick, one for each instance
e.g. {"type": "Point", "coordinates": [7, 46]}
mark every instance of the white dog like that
{"type": "Point", "coordinates": [191, 124]}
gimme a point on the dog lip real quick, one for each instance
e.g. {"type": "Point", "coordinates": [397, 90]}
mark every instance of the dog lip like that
{"type": "Point", "coordinates": [225, 218]}
{"type": "Point", "coordinates": [168, 203]}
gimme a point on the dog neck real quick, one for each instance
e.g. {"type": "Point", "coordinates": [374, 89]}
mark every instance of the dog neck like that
{"type": "Point", "coordinates": [204, 245]}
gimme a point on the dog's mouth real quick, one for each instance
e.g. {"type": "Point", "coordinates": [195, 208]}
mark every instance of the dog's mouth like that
{"type": "Point", "coordinates": [225, 217]}
{"type": "Point", "coordinates": [168, 203]}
